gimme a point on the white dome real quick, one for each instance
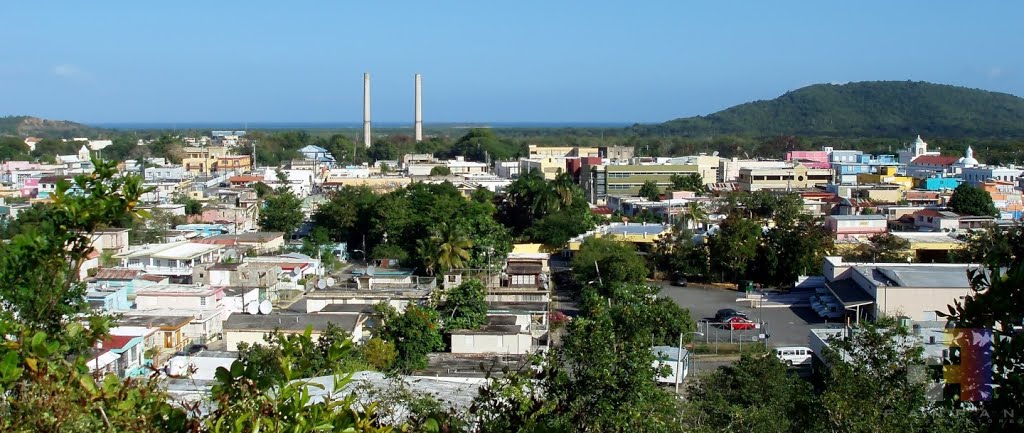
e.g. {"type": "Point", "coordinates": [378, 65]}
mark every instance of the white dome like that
{"type": "Point", "coordinates": [968, 159]}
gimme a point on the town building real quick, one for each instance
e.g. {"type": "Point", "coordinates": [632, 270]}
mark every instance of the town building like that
{"type": "Point", "coordinates": [914, 290]}
{"type": "Point", "coordinates": [783, 176]}
{"type": "Point", "coordinates": [856, 226]}
{"type": "Point", "coordinates": [252, 328]}
{"type": "Point", "coordinates": [172, 259]}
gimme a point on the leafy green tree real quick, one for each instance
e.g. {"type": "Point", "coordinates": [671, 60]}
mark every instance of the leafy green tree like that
{"type": "Point", "coordinates": [688, 182]}
{"type": "Point", "coordinates": [415, 333]}
{"type": "Point", "coordinates": [602, 379]}
{"type": "Point", "coordinates": [464, 306]}
{"type": "Point", "coordinates": [281, 212]}
{"type": "Point", "coordinates": [969, 200]}
{"type": "Point", "coordinates": [881, 248]}
{"type": "Point", "coordinates": [453, 247]}
{"type": "Point", "coordinates": [39, 267]}
{"type": "Point", "coordinates": [262, 189]}
{"type": "Point", "coordinates": [332, 351]}
{"type": "Point", "coordinates": [792, 249]}
{"type": "Point", "coordinates": [734, 246]}
{"type": "Point", "coordinates": [871, 384]}
{"type": "Point", "coordinates": [346, 214]}
{"type": "Point", "coordinates": [482, 144]}
{"type": "Point", "coordinates": [440, 170]}
{"type": "Point", "coordinates": [991, 246]}
{"type": "Point", "coordinates": [997, 291]}
{"type": "Point", "coordinates": [192, 206]}
{"type": "Point", "coordinates": [556, 229]}
{"type": "Point", "coordinates": [756, 394]}
{"type": "Point", "coordinates": [650, 190]}
{"type": "Point", "coordinates": [13, 148]}
{"type": "Point", "coordinates": [608, 263]}
{"type": "Point", "coordinates": [379, 353]}
{"type": "Point", "coordinates": [680, 255]}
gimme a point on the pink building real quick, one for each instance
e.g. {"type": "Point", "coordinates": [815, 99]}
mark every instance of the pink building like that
{"type": "Point", "coordinates": [809, 158]}
{"type": "Point", "coordinates": [30, 188]}
{"type": "Point", "coordinates": [853, 226]}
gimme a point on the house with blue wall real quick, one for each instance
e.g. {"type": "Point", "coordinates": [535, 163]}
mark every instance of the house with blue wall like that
{"type": "Point", "coordinates": [936, 183]}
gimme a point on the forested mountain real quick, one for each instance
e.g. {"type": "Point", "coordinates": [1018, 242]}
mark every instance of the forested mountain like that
{"type": "Point", "coordinates": [24, 126]}
{"type": "Point", "coordinates": [863, 109]}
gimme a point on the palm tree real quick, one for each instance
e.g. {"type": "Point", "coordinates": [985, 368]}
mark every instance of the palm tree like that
{"type": "Point", "coordinates": [452, 247]}
{"type": "Point", "coordinates": [563, 187]}
{"type": "Point", "coordinates": [427, 250]}
{"type": "Point", "coordinates": [696, 213]}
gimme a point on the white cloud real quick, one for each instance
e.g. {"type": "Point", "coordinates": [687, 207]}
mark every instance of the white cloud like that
{"type": "Point", "coordinates": [66, 71]}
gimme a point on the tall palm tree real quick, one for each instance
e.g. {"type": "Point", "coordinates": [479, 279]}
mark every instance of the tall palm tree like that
{"type": "Point", "coordinates": [452, 247]}
{"type": "Point", "coordinates": [427, 250]}
{"type": "Point", "coordinates": [563, 187]}
{"type": "Point", "coordinates": [696, 213]}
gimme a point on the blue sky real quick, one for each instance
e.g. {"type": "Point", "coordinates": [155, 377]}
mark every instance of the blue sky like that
{"type": "Point", "coordinates": [548, 61]}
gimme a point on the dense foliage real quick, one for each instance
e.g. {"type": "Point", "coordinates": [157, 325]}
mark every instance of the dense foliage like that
{"type": "Point", "coordinates": [430, 227]}
{"type": "Point", "coordinates": [863, 109]}
{"type": "Point", "coordinates": [545, 212]}
{"type": "Point", "coordinates": [281, 212]}
{"type": "Point", "coordinates": [464, 306]}
{"type": "Point", "coordinates": [970, 200]}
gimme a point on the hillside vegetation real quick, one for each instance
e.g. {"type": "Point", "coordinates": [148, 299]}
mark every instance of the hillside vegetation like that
{"type": "Point", "coordinates": [25, 126]}
{"type": "Point", "coordinates": [863, 109]}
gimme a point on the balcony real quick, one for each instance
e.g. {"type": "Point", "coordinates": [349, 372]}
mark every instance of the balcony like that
{"type": "Point", "coordinates": [162, 270]}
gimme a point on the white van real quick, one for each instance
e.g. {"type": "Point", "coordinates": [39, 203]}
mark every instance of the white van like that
{"type": "Point", "coordinates": [794, 355]}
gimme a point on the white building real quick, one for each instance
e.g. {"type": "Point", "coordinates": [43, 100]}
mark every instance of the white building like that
{"type": "Point", "coordinates": [502, 334]}
{"type": "Point", "coordinates": [176, 258]}
{"type": "Point", "coordinates": [917, 148]}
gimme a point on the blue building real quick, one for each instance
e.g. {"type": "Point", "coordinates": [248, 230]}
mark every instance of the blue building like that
{"type": "Point", "coordinates": [940, 183]}
{"type": "Point", "coordinates": [204, 230]}
{"type": "Point", "coordinates": [847, 164]}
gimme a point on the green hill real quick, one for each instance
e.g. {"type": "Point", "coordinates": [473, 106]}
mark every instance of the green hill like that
{"type": "Point", "coordinates": [864, 109]}
{"type": "Point", "coordinates": [25, 126]}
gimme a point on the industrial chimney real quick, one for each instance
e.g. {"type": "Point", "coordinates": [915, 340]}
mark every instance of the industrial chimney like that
{"type": "Point", "coordinates": [366, 109]}
{"type": "Point", "coordinates": [419, 108]}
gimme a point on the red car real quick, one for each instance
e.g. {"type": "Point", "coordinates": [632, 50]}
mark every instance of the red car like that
{"type": "Point", "coordinates": [739, 323]}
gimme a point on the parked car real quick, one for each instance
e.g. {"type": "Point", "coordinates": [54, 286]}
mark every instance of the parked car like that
{"type": "Point", "coordinates": [725, 313]}
{"type": "Point", "coordinates": [191, 350]}
{"type": "Point", "coordinates": [679, 282]}
{"type": "Point", "coordinates": [738, 323]}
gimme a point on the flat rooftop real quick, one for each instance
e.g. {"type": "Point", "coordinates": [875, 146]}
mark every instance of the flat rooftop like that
{"type": "Point", "coordinates": [176, 290]}
{"type": "Point", "coordinates": [922, 275]}
{"type": "Point", "coordinates": [288, 322]}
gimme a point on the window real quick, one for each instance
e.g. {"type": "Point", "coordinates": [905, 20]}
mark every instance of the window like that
{"type": "Point", "coordinates": [520, 280]}
{"type": "Point", "coordinates": [202, 301]}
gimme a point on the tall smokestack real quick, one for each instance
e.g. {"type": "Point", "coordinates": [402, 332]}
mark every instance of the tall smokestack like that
{"type": "Point", "coordinates": [419, 108]}
{"type": "Point", "coordinates": [366, 109]}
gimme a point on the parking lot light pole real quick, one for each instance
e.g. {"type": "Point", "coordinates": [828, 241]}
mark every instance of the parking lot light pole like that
{"type": "Point", "coordinates": [679, 358]}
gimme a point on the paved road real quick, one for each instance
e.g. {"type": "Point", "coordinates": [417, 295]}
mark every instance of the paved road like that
{"type": "Point", "coordinates": [786, 326]}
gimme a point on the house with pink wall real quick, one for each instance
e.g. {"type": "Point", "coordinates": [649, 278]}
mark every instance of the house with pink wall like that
{"type": "Point", "coordinates": [810, 158]}
{"type": "Point", "coordinates": [854, 226]}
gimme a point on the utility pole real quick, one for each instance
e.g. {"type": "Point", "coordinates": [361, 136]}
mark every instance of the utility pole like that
{"type": "Point", "coordinates": [679, 361]}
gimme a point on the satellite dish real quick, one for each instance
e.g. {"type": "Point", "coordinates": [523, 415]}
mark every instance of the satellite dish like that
{"type": "Point", "coordinates": [321, 284]}
{"type": "Point", "coordinates": [330, 281]}
{"type": "Point", "coordinates": [252, 308]}
{"type": "Point", "coordinates": [265, 307]}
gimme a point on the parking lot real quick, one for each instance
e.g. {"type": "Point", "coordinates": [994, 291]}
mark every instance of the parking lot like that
{"type": "Point", "coordinates": [785, 326]}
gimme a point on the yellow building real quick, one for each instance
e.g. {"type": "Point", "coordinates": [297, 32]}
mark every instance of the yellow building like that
{"type": "Point", "coordinates": [202, 160]}
{"type": "Point", "coordinates": [547, 166]}
{"type": "Point", "coordinates": [636, 233]}
{"type": "Point", "coordinates": [886, 174]}
{"type": "Point", "coordinates": [561, 151]}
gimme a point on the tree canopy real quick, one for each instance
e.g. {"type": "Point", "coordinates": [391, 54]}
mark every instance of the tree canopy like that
{"type": "Point", "coordinates": [970, 200]}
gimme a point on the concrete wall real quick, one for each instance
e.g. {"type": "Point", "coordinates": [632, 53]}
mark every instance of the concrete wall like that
{"type": "Point", "coordinates": [518, 344]}
{"type": "Point", "coordinates": [919, 303]}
